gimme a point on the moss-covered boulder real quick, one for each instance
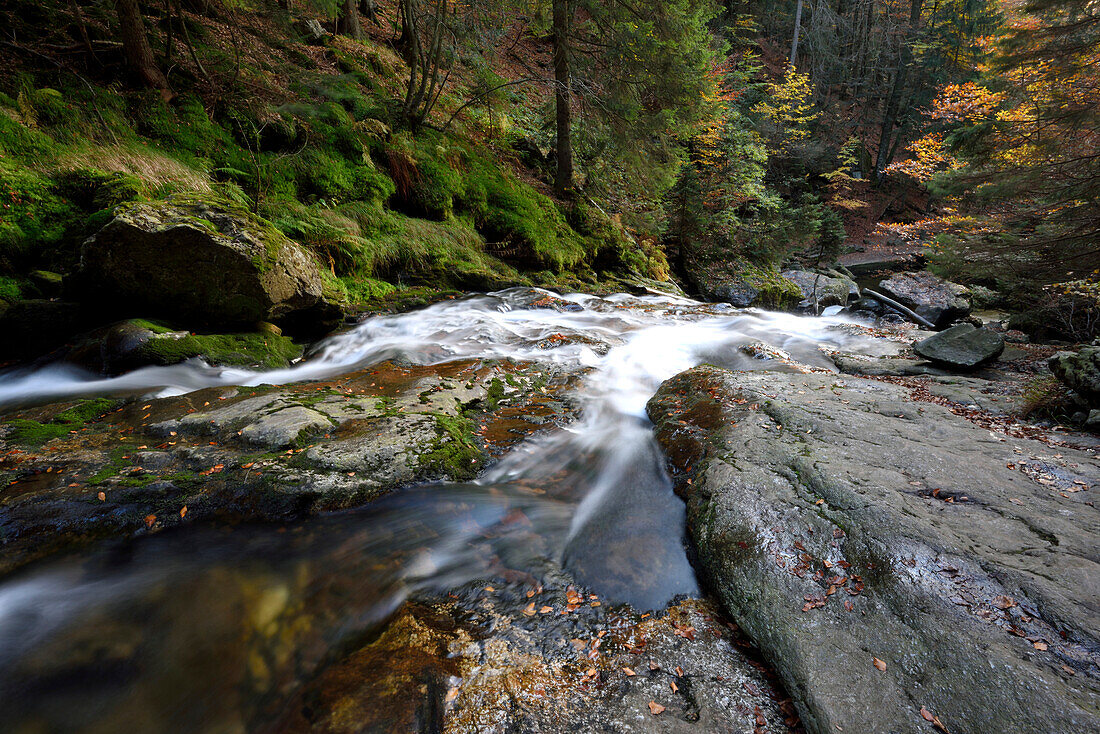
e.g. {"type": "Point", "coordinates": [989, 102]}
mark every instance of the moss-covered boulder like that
{"type": "Point", "coordinates": [201, 264]}
{"type": "Point", "coordinates": [742, 283]}
{"type": "Point", "coordinates": [821, 290]}
{"type": "Point", "coordinates": [136, 343]}
{"type": "Point", "coordinates": [1080, 371]}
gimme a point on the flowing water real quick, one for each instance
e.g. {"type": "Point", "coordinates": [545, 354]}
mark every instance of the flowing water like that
{"type": "Point", "coordinates": [185, 630]}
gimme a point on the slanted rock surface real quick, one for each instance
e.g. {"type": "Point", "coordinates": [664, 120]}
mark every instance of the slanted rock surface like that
{"type": "Point", "coordinates": [890, 556]}
{"type": "Point", "coordinates": [962, 346]}
{"type": "Point", "coordinates": [940, 301]}
{"type": "Point", "coordinates": [198, 264]}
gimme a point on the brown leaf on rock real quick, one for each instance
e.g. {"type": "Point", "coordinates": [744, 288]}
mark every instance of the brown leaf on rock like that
{"type": "Point", "coordinates": [629, 673]}
{"type": "Point", "coordinates": [926, 714]}
{"type": "Point", "coordinates": [655, 708]}
{"type": "Point", "coordinates": [880, 664]}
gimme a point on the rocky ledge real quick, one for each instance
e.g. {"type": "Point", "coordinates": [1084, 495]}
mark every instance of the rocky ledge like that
{"type": "Point", "coordinates": [901, 567]}
{"type": "Point", "coordinates": [77, 472]}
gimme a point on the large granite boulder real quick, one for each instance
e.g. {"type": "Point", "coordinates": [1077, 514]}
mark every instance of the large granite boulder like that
{"type": "Point", "coordinates": [894, 561]}
{"type": "Point", "coordinates": [824, 290]}
{"type": "Point", "coordinates": [962, 346]}
{"type": "Point", "coordinates": [191, 262]}
{"type": "Point", "coordinates": [1080, 371]}
{"type": "Point", "coordinates": [940, 301]}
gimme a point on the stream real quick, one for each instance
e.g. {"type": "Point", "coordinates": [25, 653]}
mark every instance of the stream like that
{"type": "Point", "coordinates": [209, 627]}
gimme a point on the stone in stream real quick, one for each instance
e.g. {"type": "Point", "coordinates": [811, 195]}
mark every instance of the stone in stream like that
{"type": "Point", "coordinates": [962, 346]}
{"type": "Point", "coordinates": [829, 290]}
{"type": "Point", "coordinates": [888, 555]}
{"type": "Point", "coordinates": [200, 264]}
{"type": "Point", "coordinates": [940, 301]}
{"type": "Point", "coordinates": [1080, 371]}
{"type": "Point", "coordinates": [135, 343]}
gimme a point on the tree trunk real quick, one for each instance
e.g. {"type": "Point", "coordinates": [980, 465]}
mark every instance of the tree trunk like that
{"type": "Point", "coordinates": [350, 22]}
{"type": "Point", "coordinates": [886, 144]}
{"type": "Point", "coordinates": [797, 24]}
{"type": "Point", "coordinates": [563, 180]}
{"type": "Point", "coordinates": [135, 45]}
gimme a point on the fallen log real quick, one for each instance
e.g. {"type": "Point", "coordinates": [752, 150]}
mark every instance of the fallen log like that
{"type": "Point", "coordinates": [891, 303]}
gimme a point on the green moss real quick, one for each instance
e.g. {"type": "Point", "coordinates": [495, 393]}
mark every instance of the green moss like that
{"type": "Point", "coordinates": [94, 190]}
{"type": "Point", "coordinates": [455, 452]}
{"type": "Point", "coordinates": [25, 432]}
{"type": "Point", "coordinates": [10, 289]}
{"type": "Point", "coordinates": [33, 218]}
{"type": "Point", "coordinates": [775, 291]}
{"type": "Point", "coordinates": [116, 462]}
{"type": "Point", "coordinates": [244, 350]}
{"type": "Point", "coordinates": [19, 141]}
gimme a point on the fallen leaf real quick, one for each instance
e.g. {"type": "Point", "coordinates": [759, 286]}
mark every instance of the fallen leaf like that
{"type": "Point", "coordinates": [102, 496]}
{"type": "Point", "coordinates": [759, 716]}
{"type": "Point", "coordinates": [546, 610]}
{"type": "Point", "coordinates": [183, 512]}
{"type": "Point", "coordinates": [926, 714]}
{"type": "Point", "coordinates": [629, 673]}
{"type": "Point", "coordinates": [1004, 602]}
{"type": "Point", "coordinates": [1039, 645]}
{"type": "Point", "coordinates": [150, 520]}
{"type": "Point", "coordinates": [880, 664]}
{"type": "Point", "coordinates": [655, 708]}
{"type": "Point", "coordinates": [673, 686]}
{"type": "Point", "coordinates": [654, 666]}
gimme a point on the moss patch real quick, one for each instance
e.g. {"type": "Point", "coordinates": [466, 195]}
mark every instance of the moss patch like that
{"type": "Point", "coordinates": [25, 432]}
{"type": "Point", "coordinates": [455, 452]}
{"type": "Point", "coordinates": [241, 350]}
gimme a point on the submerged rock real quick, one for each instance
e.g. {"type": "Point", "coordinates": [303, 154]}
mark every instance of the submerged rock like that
{"type": "Point", "coordinates": [198, 264]}
{"type": "Point", "coordinates": [961, 346]}
{"type": "Point", "coordinates": [890, 556]}
{"type": "Point", "coordinates": [940, 301]}
{"type": "Point", "coordinates": [1080, 371]}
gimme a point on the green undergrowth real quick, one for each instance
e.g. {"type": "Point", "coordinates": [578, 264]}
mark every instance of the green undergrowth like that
{"type": "Point", "coordinates": [26, 432]}
{"type": "Point", "coordinates": [382, 210]}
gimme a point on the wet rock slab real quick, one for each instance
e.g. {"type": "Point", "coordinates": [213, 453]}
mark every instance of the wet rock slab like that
{"type": "Point", "coordinates": [889, 556]}
{"type": "Point", "coordinates": [261, 453]}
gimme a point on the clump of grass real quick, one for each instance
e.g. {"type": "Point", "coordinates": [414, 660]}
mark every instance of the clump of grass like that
{"type": "Point", "coordinates": [1047, 397]}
